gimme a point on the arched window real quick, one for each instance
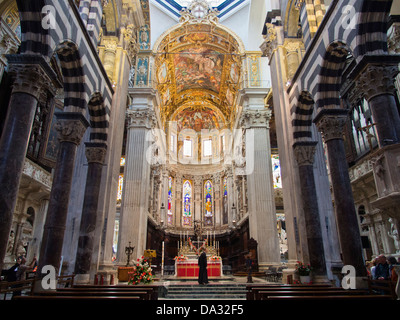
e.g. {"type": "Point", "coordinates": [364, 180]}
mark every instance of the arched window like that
{"type": "Point", "coordinates": [187, 203]}
{"type": "Point", "coordinates": [169, 218]}
{"type": "Point", "coordinates": [208, 202]}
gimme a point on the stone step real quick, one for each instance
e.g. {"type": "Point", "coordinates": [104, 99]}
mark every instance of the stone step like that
{"type": "Point", "coordinates": [204, 292]}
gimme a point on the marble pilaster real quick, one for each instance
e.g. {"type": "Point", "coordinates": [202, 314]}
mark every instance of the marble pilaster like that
{"type": "Point", "coordinates": [95, 154]}
{"type": "Point", "coordinates": [304, 154]}
{"type": "Point", "coordinates": [134, 207]}
{"type": "Point", "coordinates": [331, 124]}
{"type": "Point", "coordinates": [71, 128]}
{"type": "Point", "coordinates": [262, 211]}
{"type": "Point", "coordinates": [31, 75]}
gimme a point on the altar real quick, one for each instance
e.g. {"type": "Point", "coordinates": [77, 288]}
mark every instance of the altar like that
{"type": "Point", "coordinates": [190, 270]}
{"type": "Point", "coordinates": [186, 263]}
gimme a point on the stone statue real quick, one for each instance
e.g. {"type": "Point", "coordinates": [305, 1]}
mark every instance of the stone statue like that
{"type": "Point", "coordinates": [394, 234]}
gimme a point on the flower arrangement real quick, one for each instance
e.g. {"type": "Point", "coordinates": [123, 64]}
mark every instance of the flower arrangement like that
{"type": "Point", "coordinates": [215, 258]}
{"type": "Point", "coordinates": [302, 269]}
{"type": "Point", "coordinates": [142, 272]}
{"type": "Point", "coordinates": [180, 258]}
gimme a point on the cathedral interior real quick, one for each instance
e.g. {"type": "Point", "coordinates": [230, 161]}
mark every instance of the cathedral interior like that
{"type": "Point", "coordinates": [272, 127]}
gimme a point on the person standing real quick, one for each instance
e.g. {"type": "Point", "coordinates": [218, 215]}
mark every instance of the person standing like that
{"type": "Point", "coordinates": [202, 262]}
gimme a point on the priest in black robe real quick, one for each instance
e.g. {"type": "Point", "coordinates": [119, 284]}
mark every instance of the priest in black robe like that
{"type": "Point", "coordinates": [203, 278]}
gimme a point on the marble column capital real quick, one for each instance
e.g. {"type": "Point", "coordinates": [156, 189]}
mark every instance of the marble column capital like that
{"type": "Point", "coordinates": [95, 152]}
{"type": "Point", "coordinates": [304, 153]}
{"type": "Point", "coordinates": [331, 122]}
{"type": "Point", "coordinates": [31, 75]}
{"type": "Point", "coordinates": [141, 118]}
{"type": "Point", "coordinates": [257, 118]}
{"type": "Point", "coordinates": [71, 127]}
{"type": "Point", "coordinates": [376, 80]}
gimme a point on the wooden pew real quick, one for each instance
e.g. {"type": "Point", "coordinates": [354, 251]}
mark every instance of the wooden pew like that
{"type": "Point", "coordinates": [151, 287]}
{"type": "Point", "coordinates": [123, 291]}
{"type": "Point", "coordinates": [334, 297]}
{"type": "Point", "coordinates": [142, 295]}
{"type": "Point", "coordinates": [386, 286]}
{"type": "Point", "coordinates": [75, 298]}
{"type": "Point", "coordinates": [265, 295]}
{"type": "Point", "coordinates": [253, 289]}
{"type": "Point", "coordinates": [11, 287]}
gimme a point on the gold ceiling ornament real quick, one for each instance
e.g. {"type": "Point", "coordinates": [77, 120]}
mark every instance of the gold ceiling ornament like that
{"type": "Point", "coordinates": [198, 63]}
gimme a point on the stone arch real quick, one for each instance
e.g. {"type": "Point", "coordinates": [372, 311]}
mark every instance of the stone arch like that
{"type": "Point", "coordinates": [372, 28]}
{"type": "Point", "coordinates": [302, 117]}
{"type": "Point", "coordinates": [34, 38]}
{"type": "Point", "coordinates": [99, 119]}
{"type": "Point", "coordinates": [292, 17]}
{"type": "Point", "coordinates": [330, 75]}
{"type": "Point", "coordinates": [75, 97]}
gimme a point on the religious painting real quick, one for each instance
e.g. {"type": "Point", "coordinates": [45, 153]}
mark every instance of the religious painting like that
{"type": "Point", "coordinates": [198, 68]}
{"type": "Point", "coordinates": [208, 212]}
{"type": "Point", "coordinates": [162, 73]}
{"type": "Point", "coordinates": [169, 218]}
{"type": "Point", "coordinates": [52, 145]}
{"type": "Point", "coordinates": [198, 119]}
{"type": "Point", "coordinates": [225, 201]}
{"type": "Point", "coordinates": [142, 71]}
{"type": "Point", "coordinates": [234, 73]}
{"type": "Point", "coordinates": [187, 203]}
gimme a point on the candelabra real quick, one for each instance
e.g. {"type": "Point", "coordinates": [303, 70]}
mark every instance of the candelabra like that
{"type": "Point", "coordinates": [129, 251]}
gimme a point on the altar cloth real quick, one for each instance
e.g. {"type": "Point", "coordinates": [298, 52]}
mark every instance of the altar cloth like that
{"type": "Point", "coordinates": [189, 269]}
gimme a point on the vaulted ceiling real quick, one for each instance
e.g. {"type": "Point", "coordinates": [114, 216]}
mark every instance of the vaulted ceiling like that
{"type": "Point", "coordinates": [198, 70]}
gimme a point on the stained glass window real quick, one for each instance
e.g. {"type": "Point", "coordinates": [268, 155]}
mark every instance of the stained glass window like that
{"type": "Point", "coordinates": [225, 201]}
{"type": "Point", "coordinates": [169, 216]}
{"type": "Point", "coordinates": [187, 203]}
{"type": "Point", "coordinates": [208, 212]}
{"type": "Point", "coordinates": [276, 171]}
{"type": "Point", "coordinates": [120, 185]}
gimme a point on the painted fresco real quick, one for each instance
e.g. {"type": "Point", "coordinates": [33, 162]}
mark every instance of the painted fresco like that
{"type": "Point", "coordinates": [196, 119]}
{"type": "Point", "coordinates": [198, 68]}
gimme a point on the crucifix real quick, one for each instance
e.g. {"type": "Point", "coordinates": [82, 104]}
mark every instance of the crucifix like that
{"type": "Point", "coordinates": [369, 135]}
